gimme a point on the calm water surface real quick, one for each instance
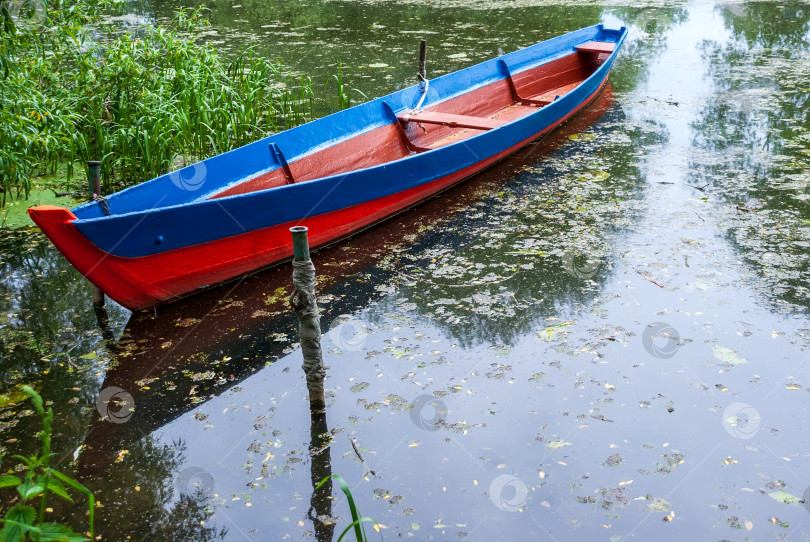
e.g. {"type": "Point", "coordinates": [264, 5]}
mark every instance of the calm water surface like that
{"type": "Point", "coordinates": [602, 338]}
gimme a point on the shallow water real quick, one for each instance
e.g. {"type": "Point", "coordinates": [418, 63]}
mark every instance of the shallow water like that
{"type": "Point", "coordinates": [603, 337]}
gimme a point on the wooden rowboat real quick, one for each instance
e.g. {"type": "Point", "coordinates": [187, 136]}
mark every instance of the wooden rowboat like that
{"type": "Point", "coordinates": [230, 214]}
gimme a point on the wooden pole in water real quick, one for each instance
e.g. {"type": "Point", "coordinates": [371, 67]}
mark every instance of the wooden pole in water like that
{"type": "Point", "coordinates": [309, 329]}
{"type": "Point", "coordinates": [422, 60]}
{"type": "Point", "coordinates": [309, 320]}
{"type": "Point", "coordinates": [94, 180]}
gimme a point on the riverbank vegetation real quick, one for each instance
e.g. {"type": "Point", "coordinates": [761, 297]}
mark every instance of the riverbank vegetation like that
{"type": "Point", "coordinates": [35, 481]}
{"type": "Point", "coordinates": [75, 88]}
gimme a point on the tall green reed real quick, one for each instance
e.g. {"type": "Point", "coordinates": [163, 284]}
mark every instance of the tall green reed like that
{"type": "Point", "coordinates": [357, 518]}
{"type": "Point", "coordinates": [143, 103]}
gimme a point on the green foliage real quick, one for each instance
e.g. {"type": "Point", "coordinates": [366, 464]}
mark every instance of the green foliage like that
{"type": "Point", "coordinates": [35, 114]}
{"type": "Point", "coordinates": [344, 100]}
{"type": "Point", "coordinates": [357, 518]}
{"type": "Point", "coordinates": [36, 481]}
{"type": "Point", "coordinates": [161, 100]}
{"type": "Point", "coordinates": [143, 103]}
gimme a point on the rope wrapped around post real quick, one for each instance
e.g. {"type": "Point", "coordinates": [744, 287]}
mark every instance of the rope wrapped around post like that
{"type": "Point", "coordinates": [94, 182]}
{"type": "Point", "coordinates": [305, 306]}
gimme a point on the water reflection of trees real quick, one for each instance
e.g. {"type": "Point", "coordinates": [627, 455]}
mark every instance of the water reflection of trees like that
{"type": "Point", "coordinates": [45, 297]}
{"type": "Point", "coordinates": [756, 128]}
{"type": "Point", "coordinates": [144, 497]}
{"type": "Point", "coordinates": [46, 326]}
{"type": "Point", "coordinates": [649, 27]}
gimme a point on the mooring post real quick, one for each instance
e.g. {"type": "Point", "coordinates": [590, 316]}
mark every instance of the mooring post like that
{"type": "Point", "coordinates": [94, 180]}
{"type": "Point", "coordinates": [422, 60]}
{"type": "Point", "coordinates": [309, 320]}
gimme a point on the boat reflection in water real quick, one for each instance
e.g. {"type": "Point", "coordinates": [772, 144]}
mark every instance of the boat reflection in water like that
{"type": "Point", "coordinates": [170, 362]}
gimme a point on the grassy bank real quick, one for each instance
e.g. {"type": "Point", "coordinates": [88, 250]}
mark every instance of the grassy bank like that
{"type": "Point", "coordinates": [143, 103]}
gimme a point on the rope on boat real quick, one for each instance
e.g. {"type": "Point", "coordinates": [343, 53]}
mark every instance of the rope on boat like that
{"type": "Point", "coordinates": [103, 203]}
{"type": "Point", "coordinates": [424, 93]}
{"type": "Point", "coordinates": [421, 75]}
{"type": "Point", "coordinates": [309, 324]}
{"type": "Point", "coordinates": [415, 110]}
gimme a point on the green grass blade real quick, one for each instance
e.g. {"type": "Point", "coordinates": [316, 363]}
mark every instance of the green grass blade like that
{"type": "Point", "coordinates": [355, 524]}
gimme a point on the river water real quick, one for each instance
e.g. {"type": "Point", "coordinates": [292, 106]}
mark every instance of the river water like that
{"type": "Point", "coordinates": [603, 337]}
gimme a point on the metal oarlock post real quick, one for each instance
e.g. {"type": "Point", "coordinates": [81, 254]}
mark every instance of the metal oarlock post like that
{"type": "Point", "coordinates": [309, 320]}
{"type": "Point", "coordinates": [94, 182]}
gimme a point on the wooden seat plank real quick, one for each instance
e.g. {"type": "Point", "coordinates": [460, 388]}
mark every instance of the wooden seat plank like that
{"type": "Point", "coordinates": [452, 120]}
{"type": "Point", "coordinates": [596, 47]}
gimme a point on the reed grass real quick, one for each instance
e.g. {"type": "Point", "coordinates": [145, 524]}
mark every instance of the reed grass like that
{"type": "Point", "coordinates": [357, 519]}
{"type": "Point", "coordinates": [143, 103]}
{"type": "Point", "coordinates": [343, 90]}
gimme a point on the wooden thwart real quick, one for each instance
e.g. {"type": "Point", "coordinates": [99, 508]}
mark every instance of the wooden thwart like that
{"type": "Point", "coordinates": [596, 47]}
{"type": "Point", "coordinates": [452, 120]}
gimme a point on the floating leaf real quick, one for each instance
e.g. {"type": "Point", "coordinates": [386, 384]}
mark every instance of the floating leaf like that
{"type": "Point", "coordinates": [582, 137]}
{"type": "Point", "coordinates": [15, 395]}
{"type": "Point", "coordinates": [729, 356]}
{"type": "Point", "coordinates": [785, 497]}
{"type": "Point", "coordinates": [659, 504]}
{"type": "Point", "coordinates": [549, 333]}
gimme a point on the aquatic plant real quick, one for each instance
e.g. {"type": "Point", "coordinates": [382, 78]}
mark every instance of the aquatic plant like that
{"type": "Point", "coordinates": [35, 115]}
{"type": "Point", "coordinates": [144, 102]}
{"type": "Point", "coordinates": [36, 481]}
{"type": "Point", "coordinates": [357, 518]}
